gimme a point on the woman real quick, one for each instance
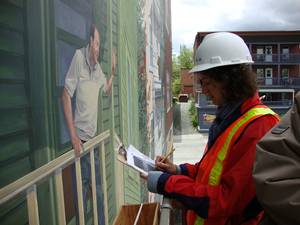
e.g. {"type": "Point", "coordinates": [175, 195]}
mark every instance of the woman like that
{"type": "Point", "coordinates": [219, 189]}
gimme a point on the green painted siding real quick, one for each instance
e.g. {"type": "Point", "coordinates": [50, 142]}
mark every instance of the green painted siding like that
{"type": "Point", "coordinates": [129, 92]}
{"type": "Point", "coordinates": [37, 42]}
{"type": "Point", "coordinates": [15, 109]}
{"type": "Point", "coordinates": [15, 103]}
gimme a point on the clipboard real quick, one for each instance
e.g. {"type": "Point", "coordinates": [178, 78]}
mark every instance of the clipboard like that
{"type": "Point", "coordinates": [133, 158]}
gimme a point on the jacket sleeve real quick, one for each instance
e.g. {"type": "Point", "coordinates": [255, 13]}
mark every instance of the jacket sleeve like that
{"type": "Point", "coordinates": [189, 170]}
{"type": "Point", "coordinates": [236, 188]}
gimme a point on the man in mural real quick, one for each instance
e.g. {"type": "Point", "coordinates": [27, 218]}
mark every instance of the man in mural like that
{"type": "Point", "coordinates": [219, 189]}
{"type": "Point", "coordinates": [85, 79]}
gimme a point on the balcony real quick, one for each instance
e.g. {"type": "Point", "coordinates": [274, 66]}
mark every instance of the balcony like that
{"type": "Point", "coordinates": [289, 82]}
{"type": "Point", "coordinates": [282, 103]}
{"type": "Point", "coordinates": [292, 58]}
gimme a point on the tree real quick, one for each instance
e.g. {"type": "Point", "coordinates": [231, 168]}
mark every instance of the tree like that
{"type": "Point", "coordinates": [185, 58]}
{"type": "Point", "coordinates": [176, 76]}
{"type": "Point", "coordinates": [183, 61]}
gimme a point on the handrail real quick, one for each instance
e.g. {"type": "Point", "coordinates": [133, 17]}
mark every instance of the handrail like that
{"type": "Point", "coordinates": [53, 168]}
{"type": "Point", "coordinates": [166, 212]}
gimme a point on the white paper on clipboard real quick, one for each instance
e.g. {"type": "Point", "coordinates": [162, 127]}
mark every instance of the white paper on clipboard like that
{"type": "Point", "coordinates": [139, 161]}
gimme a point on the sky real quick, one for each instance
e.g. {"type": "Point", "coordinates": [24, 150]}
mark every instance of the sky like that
{"type": "Point", "coordinates": [192, 16]}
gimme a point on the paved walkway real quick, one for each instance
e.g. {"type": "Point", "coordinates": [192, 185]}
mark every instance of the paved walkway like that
{"type": "Point", "coordinates": [189, 144]}
{"type": "Point", "coordinates": [189, 148]}
{"type": "Point", "coordinates": [182, 121]}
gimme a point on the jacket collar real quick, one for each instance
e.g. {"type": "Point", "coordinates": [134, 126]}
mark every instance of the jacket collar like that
{"type": "Point", "coordinates": [250, 102]}
{"type": "Point", "coordinates": [228, 114]}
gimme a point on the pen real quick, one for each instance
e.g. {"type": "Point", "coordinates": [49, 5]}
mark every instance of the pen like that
{"type": "Point", "coordinates": [169, 153]}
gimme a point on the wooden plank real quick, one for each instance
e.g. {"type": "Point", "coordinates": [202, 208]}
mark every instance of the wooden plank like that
{"type": "Point", "coordinates": [32, 206]}
{"type": "Point", "coordinates": [11, 42]}
{"type": "Point", "coordinates": [13, 147]}
{"type": "Point", "coordinates": [13, 95]}
{"type": "Point", "coordinates": [146, 213]}
{"type": "Point", "coordinates": [13, 121]}
{"type": "Point", "coordinates": [14, 213]}
{"type": "Point", "coordinates": [60, 197]}
{"type": "Point", "coordinates": [13, 171]}
{"type": "Point", "coordinates": [102, 151]}
{"type": "Point", "coordinates": [79, 191]}
{"type": "Point", "coordinates": [11, 68]}
{"type": "Point", "coordinates": [94, 194]}
{"type": "Point", "coordinates": [18, 3]}
{"type": "Point", "coordinates": [18, 203]}
{"type": "Point", "coordinates": [11, 16]}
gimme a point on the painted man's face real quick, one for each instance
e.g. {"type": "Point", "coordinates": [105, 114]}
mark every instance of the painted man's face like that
{"type": "Point", "coordinates": [95, 45]}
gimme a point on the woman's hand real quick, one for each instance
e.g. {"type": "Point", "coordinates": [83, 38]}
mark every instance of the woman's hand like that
{"type": "Point", "coordinates": [165, 166]}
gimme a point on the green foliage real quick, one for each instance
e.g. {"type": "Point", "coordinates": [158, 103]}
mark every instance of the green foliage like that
{"type": "Point", "coordinates": [176, 87]}
{"type": "Point", "coordinates": [193, 113]}
{"type": "Point", "coordinates": [185, 58]}
{"type": "Point", "coordinates": [183, 61]}
{"type": "Point", "coordinates": [175, 67]}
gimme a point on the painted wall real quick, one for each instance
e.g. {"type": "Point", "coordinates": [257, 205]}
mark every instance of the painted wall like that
{"type": "Point", "coordinates": [37, 42]}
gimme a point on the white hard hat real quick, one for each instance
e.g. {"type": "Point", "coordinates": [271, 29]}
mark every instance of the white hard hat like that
{"type": "Point", "coordinates": [221, 49]}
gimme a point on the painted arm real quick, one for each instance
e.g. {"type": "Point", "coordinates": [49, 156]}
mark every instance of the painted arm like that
{"type": "Point", "coordinates": [113, 68]}
{"type": "Point", "coordinates": [67, 105]}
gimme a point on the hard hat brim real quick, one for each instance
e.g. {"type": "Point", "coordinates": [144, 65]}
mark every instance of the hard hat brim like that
{"type": "Point", "coordinates": [208, 66]}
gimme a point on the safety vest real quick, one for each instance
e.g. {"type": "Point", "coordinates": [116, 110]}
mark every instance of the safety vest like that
{"type": "Point", "coordinates": [214, 161]}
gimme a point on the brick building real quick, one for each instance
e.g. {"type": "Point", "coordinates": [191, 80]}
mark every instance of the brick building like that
{"type": "Point", "coordinates": [187, 82]}
{"type": "Point", "coordinates": [276, 56]}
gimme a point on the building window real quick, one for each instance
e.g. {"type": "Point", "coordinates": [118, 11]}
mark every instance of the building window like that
{"type": "Point", "coordinates": [285, 54]}
{"type": "Point", "coordinates": [285, 76]}
{"type": "Point", "coordinates": [260, 75]}
{"type": "Point", "coordinates": [285, 73]}
{"type": "Point", "coordinates": [260, 54]}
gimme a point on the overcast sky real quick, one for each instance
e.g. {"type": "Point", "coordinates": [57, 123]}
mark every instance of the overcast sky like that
{"type": "Point", "coordinates": [191, 16]}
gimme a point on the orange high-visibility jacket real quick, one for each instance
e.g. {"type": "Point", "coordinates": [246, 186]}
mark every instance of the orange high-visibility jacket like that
{"type": "Point", "coordinates": [217, 189]}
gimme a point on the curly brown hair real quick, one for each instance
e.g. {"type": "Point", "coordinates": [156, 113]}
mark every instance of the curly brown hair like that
{"type": "Point", "coordinates": [238, 81]}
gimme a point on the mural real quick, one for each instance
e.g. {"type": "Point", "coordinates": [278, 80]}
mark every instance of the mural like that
{"type": "Point", "coordinates": [72, 69]}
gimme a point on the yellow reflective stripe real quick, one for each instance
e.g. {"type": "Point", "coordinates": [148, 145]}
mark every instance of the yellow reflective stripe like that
{"type": "Point", "coordinates": [215, 174]}
{"type": "Point", "coordinates": [199, 221]}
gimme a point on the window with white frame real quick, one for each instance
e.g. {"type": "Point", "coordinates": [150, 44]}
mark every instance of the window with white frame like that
{"type": "Point", "coordinates": [260, 73]}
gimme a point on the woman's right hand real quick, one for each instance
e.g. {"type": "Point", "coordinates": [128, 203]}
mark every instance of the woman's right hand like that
{"type": "Point", "coordinates": [165, 166]}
